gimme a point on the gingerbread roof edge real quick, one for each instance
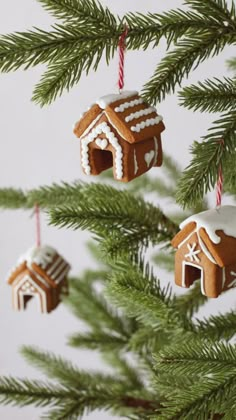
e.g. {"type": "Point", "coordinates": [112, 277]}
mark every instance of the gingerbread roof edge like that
{"type": "Point", "coordinates": [216, 229]}
{"type": "Point", "coordinates": [127, 112]}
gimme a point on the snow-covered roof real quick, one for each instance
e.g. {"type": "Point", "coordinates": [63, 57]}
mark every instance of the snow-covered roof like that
{"type": "Point", "coordinates": [40, 255]}
{"type": "Point", "coordinates": [106, 100]}
{"type": "Point", "coordinates": [222, 218]}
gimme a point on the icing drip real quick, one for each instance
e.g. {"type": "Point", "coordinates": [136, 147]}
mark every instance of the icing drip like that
{"type": "Point", "coordinates": [102, 128]}
{"type": "Point", "coordinates": [135, 163]}
{"type": "Point", "coordinates": [106, 100]}
{"type": "Point", "coordinates": [130, 104]}
{"type": "Point", "coordinates": [156, 151]}
{"type": "Point", "coordinates": [223, 278]}
{"type": "Point", "coordinates": [139, 114]}
{"type": "Point", "coordinates": [205, 250]}
{"type": "Point", "coordinates": [223, 218]}
{"type": "Point", "coordinates": [150, 121]}
{"type": "Point", "coordinates": [233, 282]}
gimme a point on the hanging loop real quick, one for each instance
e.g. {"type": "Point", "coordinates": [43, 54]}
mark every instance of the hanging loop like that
{"type": "Point", "coordinates": [122, 48]}
{"type": "Point", "coordinates": [219, 184]}
{"type": "Point", "coordinates": [38, 225]}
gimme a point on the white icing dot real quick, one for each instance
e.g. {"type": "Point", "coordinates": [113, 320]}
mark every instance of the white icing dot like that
{"type": "Point", "coordinates": [140, 113]}
{"type": "Point", "coordinates": [129, 104]}
{"type": "Point", "coordinates": [146, 123]}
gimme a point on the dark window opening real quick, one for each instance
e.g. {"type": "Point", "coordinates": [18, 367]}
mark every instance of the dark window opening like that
{"type": "Point", "coordinates": [103, 159]}
{"type": "Point", "coordinates": [26, 300]}
{"type": "Point", "coordinates": [191, 274]}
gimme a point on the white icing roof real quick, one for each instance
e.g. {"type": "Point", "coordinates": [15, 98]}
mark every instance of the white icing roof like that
{"type": "Point", "coordinates": [106, 100]}
{"type": "Point", "coordinates": [42, 255]}
{"type": "Point", "coordinates": [223, 218]}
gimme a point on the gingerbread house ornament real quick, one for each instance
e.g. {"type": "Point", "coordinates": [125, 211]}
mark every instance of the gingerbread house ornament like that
{"type": "Point", "coordinates": [120, 131]}
{"type": "Point", "coordinates": [206, 250]}
{"type": "Point", "coordinates": [40, 273]}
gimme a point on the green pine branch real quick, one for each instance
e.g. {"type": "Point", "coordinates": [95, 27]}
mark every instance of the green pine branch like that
{"type": "Point", "coordinates": [188, 54]}
{"type": "Point", "coordinates": [120, 219]}
{"type": "Point", "coordinates": [206, 376]}
{"type": "Point", "coordinates": [210, 96]}
{"type": "Point", "coordinates": [88, 31]}
{"type": "Point", "coordinates": [64, 72]}
{"type": "Point", "coordinates": [232, 64]}
{"type": "Point", "coordinates": [73, 403]}
{"type": "Point", "coordinates": [202, 173]}
{"type": "Point", "coordinates": [191, 301]}
{"type": "Point", "coordinates": [219, 327]}
{"type": "Point", "coordinates": [26, 392]}
{"type": "Point", "coordinates": [91, 302]}
{"type": "Point", "coordinates": [11, 198]}
{"type": "Point", "coordinates": [164, 260]}
{"type": "Point", "coordinates": [28, 49]}
{"type": "Point", "coordinates": [137, 292]}
{"type": "Point", "coordinates": [100, 341]}
{"type": "Point", "coordinates": [87, 12]}
{"type": "Point", "coordinates": [149, 29]}
{"type": "Point", "coordinates": [220, 10]}
{"type": "Point", "coordinates": [63, 370]}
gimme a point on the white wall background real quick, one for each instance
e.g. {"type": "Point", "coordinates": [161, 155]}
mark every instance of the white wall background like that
{"type": "Point", "coordinates": [38, 147]}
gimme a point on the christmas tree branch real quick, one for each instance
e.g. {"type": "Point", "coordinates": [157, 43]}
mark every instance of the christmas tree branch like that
{"type": "Point", "coordinates": [116, 215]}
{"type": "Point", "coordinates": [232, 64]}
{"type": "Point", "coordinates": [150, 28]}
{"type": "Point", "coordinates": [65, 72]}
{"type": "Point", "coordinates": [98, 341]}
{"type": "Point", "coordinates": [210, 367]}
{"type": "Point", "coordinates": [91, 302]}
{"type": "Point", "coordinates": [88, 30]}
{"type": "Point", "coordinates": [11, 198]}
{"type": "Point", "coordinates": [25, 392]}
{"type": "Point", "coordinates": [137, 292]}
{"type": "Point", "coordinates": [29, 49]}
{"type": "Point", "coordinates": [190, 302]}
{"type": "Point", "coordinates": [218, 327]}
{"type": "Point", "coordinates": [202, 173]}
{"type": "Point", "coordinates": [177, 64]}
{"type": "Point", "coordinates": [121, 220]}
{"type": "Point", "coordinates": [83, 11]}
{"type": "Point", "coordinates": [66, 373]}
{"type": "Point", "coordinates": [165, 260]}
{"type": "Point", "coordinates": [210, 96]}
{"type": "Point", "coordinates": [69, 402]}
{"type": "Point", "coordinates": [220, 10]}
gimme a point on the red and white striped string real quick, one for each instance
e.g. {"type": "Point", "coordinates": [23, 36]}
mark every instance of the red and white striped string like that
{"type": "Point", "coordinates": [122, 48]}
{"type": "Point", "coordinates": [219, 184]}
{"type": "Point", "coordinates": [38, 225]}
{"type": "Point", "coordinates": [219, 187]}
